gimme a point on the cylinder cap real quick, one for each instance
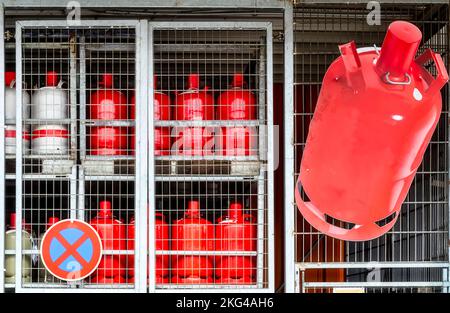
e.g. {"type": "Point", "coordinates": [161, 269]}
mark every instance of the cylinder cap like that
{"type": "Point", "coordinates": [235, 210]}
{"type": "Point", "coordinates": [193, 81]}
{"type": "Point", "coordinates": [238, 80]}
{"type": "Point", "coordinates": [193, 208]}
{"type": "Point", "coordinates": [52, 221]}
{"type": "Point", "coordinates": [51, 80]}
{"type": "Point", "coordinates": [104, 208]}
{"type": "Point", "coordinates": [12, 220]}
{"type": "Point", "coordinates": [9, 77]}
{"type": "Point", "coordinates": [399, 48]}
{"type": "Point", "coordinates": [107, 80]}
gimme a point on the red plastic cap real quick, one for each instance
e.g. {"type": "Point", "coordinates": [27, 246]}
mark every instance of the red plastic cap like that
{"type": "Point", "coordinates": [12, 220]}
{"type": "Point", "coordinates": [238, 80]}
{"type": "Point", "coordinates": [235, 210]}
{"type": "Point", "coordinates": [107, 80]}
{"type": "Point", "coordinates": [104, 208]}
{"type": "Point", "coordinates": [9, 77]}
{"type": "Point", "coordinates": [399, 48]}
{"type": "Point", "coordinates": [193, 208]}
{"type": "Point", "coordinates": [193, 81]}
{"type": "Point", "coordinates": [155, 82]}
{"type": "Point", "coordinates": [52, 221]}
{"type": "Point", "coordinates": [51, 80]}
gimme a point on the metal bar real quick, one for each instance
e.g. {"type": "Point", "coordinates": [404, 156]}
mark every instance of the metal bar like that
{"type": "Point", "coordinates": [141, 209]}
{"type": "Point", "coordinates": [83, 101]}
{"type": "Point", "coordinates": [85, 23]}
{"type": "Point", "coordinates": [201, 25]}
{"type": "Point", "coordinates": [289, 175]}
{"type": "Point", "coordinates": [81, 194]}
{"type": "Point", "coordinates": [337, 265]}
{"type": "Point", "coordinates": [19, 112]}
{"type": "Point", "coordinates": [271, 168]}
{"type": "Point", "coordinates": [73, 193]}
{"type": "Point", "coordinates": [153, 4]}
{"type": "Point", "coordinates": [151, 163]}
{"type": "Point", "coordinates": [73, 96]}
{"type": "Point", "coordinates": [2, 149]}
{"type": "Point", "coordinates": [375, 284]}
{"type": "Point", "coordinates": [215, 253]}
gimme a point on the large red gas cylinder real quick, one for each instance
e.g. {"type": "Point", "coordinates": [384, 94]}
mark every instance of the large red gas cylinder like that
{"type": "Point", "coordinates": [192, 233]}
{"type": "Point", "coordinates": [112, 268]}
{"type": "Point", "coordinates": [161, 244]}
{"type": "Point", "coordinates": [236, 232]}
{"type": "Point", "coordinates": [374, 118]}
{"type": "Point", "coordinates": [161, 108]}
{"type": "Point", "coordinates": [193, 105]}
{"type": "Point", "coordinates": [237, 104]}
{"type": "Point", "coordinates": [108, 104]}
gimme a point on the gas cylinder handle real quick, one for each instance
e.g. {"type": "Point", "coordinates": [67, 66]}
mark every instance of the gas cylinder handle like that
{"type": "Point", "coordinates": [61, 82]}
{"type": "Point", "coordinates": [442, 75]}
{"type": "Point", "coordinates": [391, 82]}
{"type": "Point", "coordinates": [13, 82]}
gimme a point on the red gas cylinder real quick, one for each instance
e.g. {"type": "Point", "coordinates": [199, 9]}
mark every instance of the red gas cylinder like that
{"type": "Point", "coordinates": [193, 105]}
{"type": "Point", "coordinates": [112, 232]}
{"type": "Point", "coordinates": [374, 118]}
{"type": "Point", "coordinates": [108, 104]}
{"type": "Point", "coordinates": [192, 233]}
{"type": "Point", "coordinates": [161, 244]}
{"type": "Point", "coordinates": [236, 232]}
{"type": "Point", "coordinates": [238, 104]}
{"type": "Point", "coordinates": [161, 109]}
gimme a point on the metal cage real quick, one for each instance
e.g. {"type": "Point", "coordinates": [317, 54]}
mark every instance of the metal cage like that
{"type": "Point", "coordinates": [413, 256]}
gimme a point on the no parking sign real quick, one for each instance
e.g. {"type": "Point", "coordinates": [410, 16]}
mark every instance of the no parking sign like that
{"type": "Point", "coordinates": [71, 250]}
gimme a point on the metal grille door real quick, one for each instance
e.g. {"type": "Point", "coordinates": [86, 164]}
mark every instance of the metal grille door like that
{"type": "Point", "coordinates": [211, 175]}
{"type": "Point", "coordinates": [413, 256]}
{"type": "Point", "coordinates": [79, 151]}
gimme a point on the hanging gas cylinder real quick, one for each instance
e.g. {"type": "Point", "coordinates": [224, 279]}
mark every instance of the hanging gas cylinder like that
{"type": "Point", "coordinates": [44, 275]}
{"type": "Point", "coordinates": [10, 244]}
{"type": "Point", "coordinates": [237, 104]}
{"type": "Point", "coordinates": [50, 139]}
{"type": "Point", "coordinates": [10, 99]}
{"type": "Point", "coordinates": [161, 109]}
{"type": "Point", "coordinates": [375, 116]}
{"type": "Point", "coordinates": [50, 102]}
{"type": "Point", "coordinates": [112, 268]}
{"type": "Point", "coordinates": [10, 141]}
{"type": "Point", "coordinates": [108, 104]}
{"type": "Point", "coordinates": [192, 233]}
{"type": "Point", "coordinates": [161, 244]}
{"type": "Point", "coordinates": [236, 232]}
{"type": "Point", "coordinates": [193, 105]}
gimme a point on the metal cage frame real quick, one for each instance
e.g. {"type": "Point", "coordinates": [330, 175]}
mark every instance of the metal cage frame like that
{"type": "Point", "coordinates": [267, 28]}
{"type": "Point", "coordinates": [140, 205]}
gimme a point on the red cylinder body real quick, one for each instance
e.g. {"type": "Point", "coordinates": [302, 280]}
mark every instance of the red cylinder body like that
{"type": "Point", "coordinates": [161, 244]}
{"type": "Point", "coordinates": [193, 105]}
{"type": "Point", "coordinates": [236, 232]}
{"type": "Point", "coordinates": [108, 104]}
{"type": "Point", "coordinates": [106, 140]}
{"type": "Point", "coordinates": [238, 104]}
{"type": "Point", "coordinates": [368, 136]}
{"type": "Point", "coordinates": [113, 235]}
{"type": "Point", "coordinates": [192, 233]}
{"type": "Point", "coordinates": [161, 108]}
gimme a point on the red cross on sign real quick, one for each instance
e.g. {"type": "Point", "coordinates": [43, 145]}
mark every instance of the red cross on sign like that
{"type": "Point", "coordinates": [71, 250]}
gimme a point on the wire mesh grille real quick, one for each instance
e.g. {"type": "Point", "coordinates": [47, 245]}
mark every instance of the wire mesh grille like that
{"type": "Point", "coordinates": [210, 158]}
{"type": "Point", "coordinates": [78, 156]}
{"type": "Point", "coordinates": [421, 232]}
